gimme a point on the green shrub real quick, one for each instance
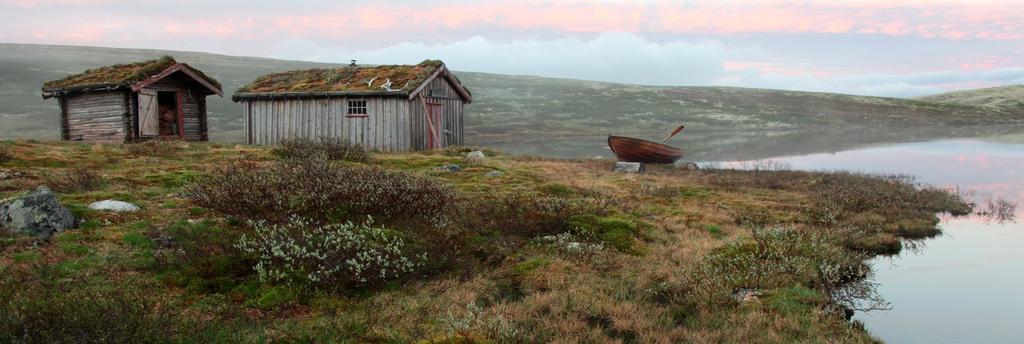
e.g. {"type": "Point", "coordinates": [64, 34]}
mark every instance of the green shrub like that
{"type": "Point", "coordinates": [779, 258]}
{"type": "Point", "coordinates": [714, 230]}
{"type": "Point", "coordinates": [323, 148]}
{"type": "Point", "coordinates": [76, 179]}
{"type": "Point", "coordinates": [530, 215]}
{"type": "Point", "coordinates": [274, 297]}
{"type": "Point", "coordinates": [199, 257]}
{"type": "Point", "coordinates": [324, 192]}
{"type": "Point", "coordinates": [614, 232]}
{"type": "Point", "coordinates": [81, 314]}
{"type": "Point", "coordinates": [349, 254]}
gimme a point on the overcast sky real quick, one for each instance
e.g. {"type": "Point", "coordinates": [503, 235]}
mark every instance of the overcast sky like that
{"type": "Point", "coordinates": [886, 48]}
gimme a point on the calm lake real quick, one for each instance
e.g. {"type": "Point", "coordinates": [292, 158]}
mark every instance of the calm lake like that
{"type": "Point", "coordinates": [961, 287]}
{"type": "Point", "coordinates": [964, 286]}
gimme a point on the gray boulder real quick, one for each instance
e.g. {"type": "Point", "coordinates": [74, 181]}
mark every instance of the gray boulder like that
{"type": "Point", "coordinates": [114, 206]}
{"type": "Point", "coordinates": [494, 174]}
{"type": "Point", "coordinates": [449, 168]}
{"type": "Point", "coordinates": [476, 158]}
{"type": "Point", "coordinates": [36, 213]}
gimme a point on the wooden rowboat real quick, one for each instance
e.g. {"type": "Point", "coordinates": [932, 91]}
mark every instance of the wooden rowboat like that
{"type": "Point", "coordinates": [629, 149]}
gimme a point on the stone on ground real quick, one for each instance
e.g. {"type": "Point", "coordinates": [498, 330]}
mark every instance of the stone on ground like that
{"type": "Point", "coordinates": [37, 213]}
{"type": "Point", "coordinates": [449, 168]}
{"type": "Point", "coordinates": [629, 167]}
{"type": "Point", "coordinates": [476, 158]}
{"type": "Point", "coordinates": [114, 206]}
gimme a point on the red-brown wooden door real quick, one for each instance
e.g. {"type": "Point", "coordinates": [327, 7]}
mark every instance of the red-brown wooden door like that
{"type": "Point", "coordinates": [435, 126]}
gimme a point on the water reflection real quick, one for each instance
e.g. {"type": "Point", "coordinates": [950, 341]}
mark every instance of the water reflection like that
{"type": "Point", "coordinates": [963, 286]}
{"type": "Point", "coordinates": [704, 145]}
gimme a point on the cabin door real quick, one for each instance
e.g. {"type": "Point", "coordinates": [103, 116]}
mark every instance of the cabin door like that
{"type": "Point", "coordinates": [357, 128]}
{"type": "Point", "coordinates": [435, 126]}
{"type": "Point", "coordinates": [149, 114]}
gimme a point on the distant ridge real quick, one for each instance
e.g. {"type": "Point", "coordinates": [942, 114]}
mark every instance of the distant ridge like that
{"type": "Point", "coordinates": [517, 108]}
{"type": "Point", "coordinates": [1005, 98]}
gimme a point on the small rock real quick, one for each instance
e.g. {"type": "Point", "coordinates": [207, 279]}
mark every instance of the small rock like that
{"type": "Point", "coordinates": [448, 168]}
{"type": "Point", "coordinates": [840, 311]}
{"type": "Point", "coordinates": [629, 167]}
{"type": "Point", "coordinates": [494, 174]}
{"type": "Point", "coordinates": [10, 174]}
{"type": "Point", "coordinates": [114, 206]}
{"type": "Point", "coordinates": [476, 158]}
{"type": "Point", "coordinates": [689, 166]}
{"type": "Point", "coordinates": [744, 295]}
{"type": "Point", "coordinates": [36, 213]}
{"type": "Point", "coordinates": [598, 157]}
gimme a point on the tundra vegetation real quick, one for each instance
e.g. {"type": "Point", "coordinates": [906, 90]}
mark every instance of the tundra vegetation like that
{"type": "Point", "coordinates": [248, 244]}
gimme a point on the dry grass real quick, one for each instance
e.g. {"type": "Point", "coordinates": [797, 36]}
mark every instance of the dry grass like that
{"type": "Point", "coordinates": [500, 287]}
{"type": "Point", "coordinates": [119, 74]}
{"type": "Point", "coordinates": [153, 148]}
{"type": "Point", "coordinates": [344, 79]}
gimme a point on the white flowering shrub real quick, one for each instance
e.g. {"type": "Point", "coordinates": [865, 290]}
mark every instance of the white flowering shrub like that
{"type": "Point", "coordinates": [345, 254]}
{"type": "Point", "coordinates": [569, 243]}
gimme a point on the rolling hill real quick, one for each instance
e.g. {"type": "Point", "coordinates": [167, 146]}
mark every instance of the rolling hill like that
{"type": "Point", "coordinates": [1003, 98]}
{"type": "Point", "coordinates": [510, 110]}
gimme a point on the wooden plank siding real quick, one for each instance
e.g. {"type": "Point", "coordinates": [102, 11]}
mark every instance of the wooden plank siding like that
{"type": "Point", "coordinates": [95, 117]}
{"type": "Point", "coordinates": [385, 126]}
{"type": "Point", "coordinates": [192, 106]}
{"type": "Point", "coordinates": [439, 91]}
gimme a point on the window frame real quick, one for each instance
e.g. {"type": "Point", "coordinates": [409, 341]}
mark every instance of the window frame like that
{"type": "Point", "coordinates": [349, 108]}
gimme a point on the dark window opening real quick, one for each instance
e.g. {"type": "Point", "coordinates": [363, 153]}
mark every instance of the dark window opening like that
{"type": "Point", "coordinates": [168, 111]}
{"type": "Point", "coordinates": [356, 108]}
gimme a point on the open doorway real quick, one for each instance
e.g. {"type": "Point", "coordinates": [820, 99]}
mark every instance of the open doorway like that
{"type": "Point", "coordinates": [169, 114]}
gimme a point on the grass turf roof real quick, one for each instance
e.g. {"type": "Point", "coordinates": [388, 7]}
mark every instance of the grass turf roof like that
{"type": "Point", "coordinates": [120, 74]}
{"type": "Point", "coordinates": [404, 78]}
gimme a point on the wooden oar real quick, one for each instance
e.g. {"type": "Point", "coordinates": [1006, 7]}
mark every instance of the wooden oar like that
{"type": "Point", "coordinates": [674, 133]}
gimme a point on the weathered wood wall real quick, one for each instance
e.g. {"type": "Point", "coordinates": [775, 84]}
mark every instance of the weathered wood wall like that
{"type": "Point", "coordinates": [192, 105]}
{"type": "Point", "coordinates": [439, 91]}
{"type": "Point", "coordinates": [95, 117]}
{"type": "Point", "coordinates": [385, 126]}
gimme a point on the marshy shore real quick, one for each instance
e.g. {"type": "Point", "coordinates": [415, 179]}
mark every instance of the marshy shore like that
{"type": "Point", "coordinates": [323, 242]}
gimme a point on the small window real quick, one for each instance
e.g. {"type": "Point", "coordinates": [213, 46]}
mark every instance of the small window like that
{"type": "Point", "coordinates": [356, 108]}
{"type": "Point", "coordinates": [439, 93]}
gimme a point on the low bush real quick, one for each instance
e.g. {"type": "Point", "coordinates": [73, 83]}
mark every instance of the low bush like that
{"type": "Point", "coordinates": [529, 215]}
{"type": "Point", "coordinates": [323, 148]}
{"type": "Point", "coordinates": [324, 192]}
{"type": "Point", "coordinates": [780, 258]}
{"type": "Point", "coordinates": [152, 148]}
{"type": "Point", "coordinates": [6, 153]}
{"type": "Point", "coordinates": [76, 179]}
{"type": "Point", "coordinates": [36, 313]}
{"type": "Point", "coordinates": [200, 257]}
{"type": "Point", "coordinates": [346, 255]}
{"type": "Point", "coordinates": [614, 232]}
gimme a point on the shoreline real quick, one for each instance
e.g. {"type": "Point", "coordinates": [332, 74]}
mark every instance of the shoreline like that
{"type": "Point", "coordinates": [675, 246]}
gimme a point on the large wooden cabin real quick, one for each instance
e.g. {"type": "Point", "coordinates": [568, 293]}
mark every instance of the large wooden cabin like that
{"type": "Point", "coordinates": [157, 99]}
{"type": "Point", "coordinates": [386, 108]}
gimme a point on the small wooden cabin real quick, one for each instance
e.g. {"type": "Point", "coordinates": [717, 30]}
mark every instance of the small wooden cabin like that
{"type": "Point", "coordinates": [157, 99]}
{"type": "Point", "coordinates": [386, 108]}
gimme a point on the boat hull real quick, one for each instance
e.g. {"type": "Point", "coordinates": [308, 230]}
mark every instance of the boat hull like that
{"type": "Point", "coordinates": [630, 149]}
